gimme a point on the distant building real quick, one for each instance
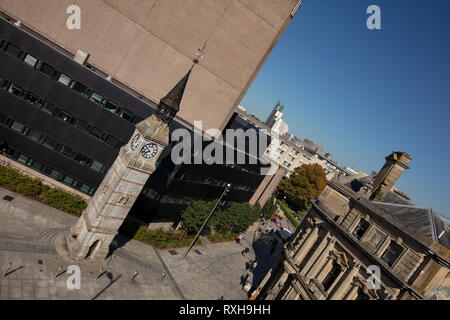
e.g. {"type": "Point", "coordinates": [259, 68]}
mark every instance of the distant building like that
{"type": "Point", "coordinates": [275, 121]}
{"type": "Point", "coordinates": [241, 108]}
{"type": "Point", "coordinates": [276, 110]}
{"type": "Point", "coordinates": [291, 152]}
{"type": "Point", "coordinates": [312, 147]}
{"type": "Point", "coordinates": [345, 235]}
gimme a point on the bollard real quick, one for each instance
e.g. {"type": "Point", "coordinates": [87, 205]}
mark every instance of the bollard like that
{"type": "Point", "coordinates": [57, 272]}
{"type": "Point", "coordinates": [100, 272]}
{"type": "Point", "coordinates": [162, 276]}
{"type": "Point", "coordinates": [6, 270]}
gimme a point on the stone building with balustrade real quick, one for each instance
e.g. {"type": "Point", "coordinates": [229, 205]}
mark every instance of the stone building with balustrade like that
{"type": "Point", "coordinates": [345, 236]}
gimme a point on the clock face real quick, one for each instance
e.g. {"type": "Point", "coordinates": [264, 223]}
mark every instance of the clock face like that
{"type": "Point", "coordinates": [135, 141]}
{"type": "Point", "coordinates": [149, 150]}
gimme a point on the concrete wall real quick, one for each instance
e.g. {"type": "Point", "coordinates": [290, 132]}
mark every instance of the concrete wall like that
{"type": "Point", "coordinates": [150, 44]}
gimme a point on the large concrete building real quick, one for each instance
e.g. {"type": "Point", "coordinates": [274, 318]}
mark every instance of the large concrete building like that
{"type": "Point", "coordinates": [346, 237]}
{"type": "Point", "coordinates": [64, 118]}
{"type": "Point", "coordinates": [148, 45]}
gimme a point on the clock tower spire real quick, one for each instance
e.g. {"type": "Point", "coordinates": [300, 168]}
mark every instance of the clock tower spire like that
{"type": "Point", "coordinates": [91, 236]}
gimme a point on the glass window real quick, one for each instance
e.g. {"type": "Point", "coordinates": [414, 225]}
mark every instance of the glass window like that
{"type": "Point", "coordinates": [392, 253]}
{"type": "Point", "coordinates": [69, 180]}
{"type": "Point", "coordinates": [112, 141]}
{"type": "Point", "coordinates": [65, 116]}
{"type": "Point", "coordinates": [34, 135]}
{"type": "Point", "coordinates": [65, 80]}
{"type": "Point", "coordinates": [85, 188]}
{"type": "Point", "coordinates": [47, 69]}
{"type": "Point", "coordinates": [23, 159]}
{"type": "Point", "coordinates": [81, 124]}
{"type": "Point", "coordinates": [15, 90]}
{"type": "Point", "coordinates": [17, 126]}
{"type": "Point", "coordinates": [13, 50]}
{"type": "Point", "coordinates": [50, 143]}
{"type": "Point", "coordinates": [97, 166]}
{"type": "Point", "coordinates": [79, 87]}
{"type": "Point", "coordinates": [96, 132]}
{"type": "Point", "coordinates": [30, 60]}
{"type": "Point", "coordinates": [125, 114]}
{"type": "Point", "coordinates": [67, 151]}
{"type": "Point", "coordinates": [111, 106]}
{"type": "Point", "coordinates": [49, 108]}
{"type": "Point", "coordinates": [361, 228]}
{"type": "Point", "coordinates": [96, 97]}
{"type": "Point", "coordinates": [32, 99]}
{"type": "Point", "coordinates": [54, 174]}
{"type": "Point", "coordinates": [38, 165]}
{"type": "Point", "coordinates": [80, 158]}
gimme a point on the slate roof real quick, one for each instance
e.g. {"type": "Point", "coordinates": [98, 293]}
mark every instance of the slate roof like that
{"type": "Point", "coordinates": [426, 221]}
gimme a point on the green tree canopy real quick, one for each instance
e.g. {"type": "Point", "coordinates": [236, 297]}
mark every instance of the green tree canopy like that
{"type": "Point", "coordinates": [237, 216]}
{"type": "Point", "coordinates": [269, 208]}
{"type": "Point", "coordinates": [305, 183]}
{"type": "Point", "coordinates": [194, 215]}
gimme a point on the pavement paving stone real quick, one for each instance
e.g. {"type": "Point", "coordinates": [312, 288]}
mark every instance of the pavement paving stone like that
{"type": "Point", "coordinates": [214, 273]}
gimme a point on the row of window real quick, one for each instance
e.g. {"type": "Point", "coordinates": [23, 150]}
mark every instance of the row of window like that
{"type": "Point", "coordinates": [49, 171]}
{"type": "Point", "coordinates": [67, 81]}
{"type": "Point", "coordinates": [212, 181]}
{"type": "Point", "coordinates": [51, 143]}
{"type": "Point", "coordinates": [59, 113]}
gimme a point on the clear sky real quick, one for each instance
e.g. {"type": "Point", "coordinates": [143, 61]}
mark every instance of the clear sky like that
{"type": "Point", "coordinates": [361, 93]}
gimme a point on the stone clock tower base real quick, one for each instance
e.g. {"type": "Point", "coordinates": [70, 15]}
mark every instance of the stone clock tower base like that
{"type": "Point", "coordinates": [91, 236]}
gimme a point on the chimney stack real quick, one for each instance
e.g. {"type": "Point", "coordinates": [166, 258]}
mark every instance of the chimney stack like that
{"type": "Point", "coordinates": [395, 164]}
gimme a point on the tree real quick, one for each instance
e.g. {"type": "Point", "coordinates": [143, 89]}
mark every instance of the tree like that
{"type": "Point", "coordinates": [237, 215]}
{"type": "Point", "coordinates": [305, 183]}
{"type": "Point", "coordinates": [194, 216]}
{"type": "Point", "coordinates": [269, 208]}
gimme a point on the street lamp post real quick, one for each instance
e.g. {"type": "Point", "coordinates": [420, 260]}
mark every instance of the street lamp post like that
{"type": "Point", "coordinates": [206, 221]}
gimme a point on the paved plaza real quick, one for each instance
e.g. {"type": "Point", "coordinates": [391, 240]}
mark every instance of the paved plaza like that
{"type": "Point", "coordinates": [29, 228]}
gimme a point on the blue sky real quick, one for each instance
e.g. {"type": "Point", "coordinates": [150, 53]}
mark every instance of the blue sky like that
{"type": "Point", "coordinates": [361, 93]}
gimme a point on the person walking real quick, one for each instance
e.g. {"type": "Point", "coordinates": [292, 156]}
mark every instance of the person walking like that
{"type": "Point", "coordinates": [254, 265]}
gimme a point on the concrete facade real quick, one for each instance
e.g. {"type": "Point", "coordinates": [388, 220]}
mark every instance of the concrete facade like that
{"type": "Point", "coordinates": [147, 45]}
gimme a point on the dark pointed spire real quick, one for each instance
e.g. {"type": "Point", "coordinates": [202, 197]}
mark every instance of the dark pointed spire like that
{"type": "Point", "coordinates": [173, 98]}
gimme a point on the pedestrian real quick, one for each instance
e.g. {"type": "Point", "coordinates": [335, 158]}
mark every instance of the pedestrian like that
{"type": "Point", "coordinates": [254, 265]}
{"type": "Point", "coordinates": [240, 238]}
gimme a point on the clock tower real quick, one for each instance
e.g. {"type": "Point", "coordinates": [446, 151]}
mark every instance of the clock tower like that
{"type": "Point", "coordinates": [91, 236]}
